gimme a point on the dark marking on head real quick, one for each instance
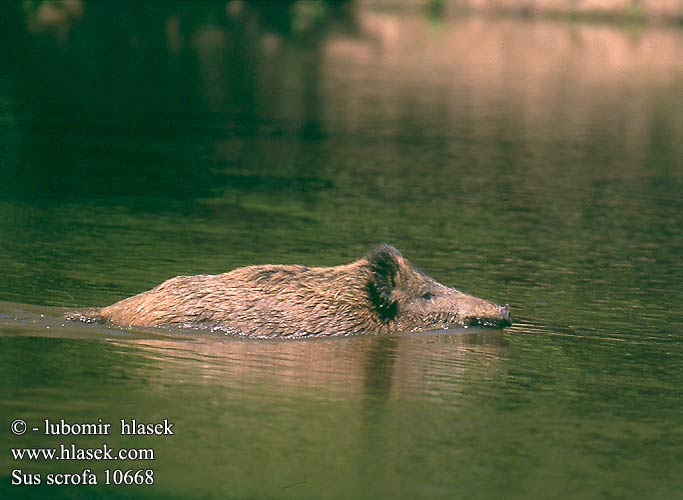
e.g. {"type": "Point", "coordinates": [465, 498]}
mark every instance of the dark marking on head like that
{"type": "Point", "coordinates": [384, 265]}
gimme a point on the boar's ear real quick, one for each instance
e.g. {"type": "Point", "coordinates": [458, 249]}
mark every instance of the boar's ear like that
{"type": "Point", "coordinates": [384, 264]}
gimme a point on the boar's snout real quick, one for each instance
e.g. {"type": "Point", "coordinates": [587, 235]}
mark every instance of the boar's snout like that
{"type": "Point", "coordinates": [505, 311]}
{"type": "Point", "coordinates": [491, 315]}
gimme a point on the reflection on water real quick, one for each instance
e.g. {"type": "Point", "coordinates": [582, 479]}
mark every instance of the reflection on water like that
{"type": "Point", "coordinates": [372, 365]}
{"type": "Point", "coordinates": [292, 407]}
{"type": "Point", "coordinates": [358, 365]}
{"type": "Point", "coordinates": [536, 163]}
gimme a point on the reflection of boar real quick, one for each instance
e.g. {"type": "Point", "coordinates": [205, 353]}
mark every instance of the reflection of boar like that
{"type": "Point", "coordinates": [381, 292]}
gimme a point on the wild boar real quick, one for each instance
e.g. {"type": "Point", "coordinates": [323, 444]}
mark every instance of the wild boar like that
{"type": "Point", "coordinates": [380, 293]}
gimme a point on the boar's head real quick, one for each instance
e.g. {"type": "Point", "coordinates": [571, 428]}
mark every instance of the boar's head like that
{"type": "Point", "coordinates": [408, 300]}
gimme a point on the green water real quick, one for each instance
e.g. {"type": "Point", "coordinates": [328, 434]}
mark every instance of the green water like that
{"type": "Point", "coordinates": [543, 169]}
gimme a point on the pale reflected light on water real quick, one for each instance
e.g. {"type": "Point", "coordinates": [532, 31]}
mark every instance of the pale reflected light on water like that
{"type": "Point", "coordinates": [537, 163]}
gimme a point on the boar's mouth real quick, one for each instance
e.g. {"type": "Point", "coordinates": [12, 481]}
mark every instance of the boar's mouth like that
{"type": "Point", "coordinates": [488, 322]}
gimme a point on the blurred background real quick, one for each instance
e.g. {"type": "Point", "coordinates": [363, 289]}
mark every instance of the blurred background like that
{"type": "Point", "coordinates": [526, 151]}
{"type": "Point", "coordinates": [486, 139]}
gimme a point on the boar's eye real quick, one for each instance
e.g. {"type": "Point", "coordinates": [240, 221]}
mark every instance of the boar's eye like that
{"type": "Point", "coordinates": [427, 296]}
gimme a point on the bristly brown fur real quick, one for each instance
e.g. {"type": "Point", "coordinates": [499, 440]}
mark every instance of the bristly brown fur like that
{"type": "Point", "coordinates": [381, 292]}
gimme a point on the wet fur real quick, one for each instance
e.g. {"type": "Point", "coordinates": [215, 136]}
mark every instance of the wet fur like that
{"type": "Point", "coordinates": [379, 293]}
